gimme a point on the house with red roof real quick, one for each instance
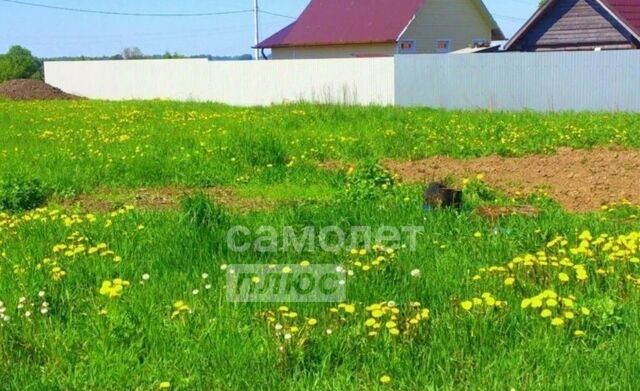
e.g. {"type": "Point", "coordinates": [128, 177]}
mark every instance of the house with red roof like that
{"type": "Point", "coordinates": [570, 25]}
{"type": "Point", "coordinates": [377, 28]}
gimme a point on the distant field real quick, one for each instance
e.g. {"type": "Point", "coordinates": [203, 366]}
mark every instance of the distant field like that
{"type": "Point", "coordinates": [117, 279]}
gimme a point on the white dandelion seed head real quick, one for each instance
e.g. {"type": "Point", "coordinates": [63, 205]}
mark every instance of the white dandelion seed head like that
{"type": "Point", "coordinates": [415, 273]}
{"type": "Point", "coordinates": [41, 294]}
{"type": "Point", "coordinates": [207, 287]}
{"type": "Point", "coordinates": [205, 276]}
{"type": "Point", "coordinates": [195, 292]}
{"type": "Point", "coordinates": [146, 277]}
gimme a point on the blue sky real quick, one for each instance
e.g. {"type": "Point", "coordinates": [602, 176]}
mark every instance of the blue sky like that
{"type": "Point", "coordinates": [49, 33]}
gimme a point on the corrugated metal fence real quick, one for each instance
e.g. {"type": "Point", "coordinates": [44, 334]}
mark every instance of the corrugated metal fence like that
{"type": "Point", "coordinates": [595, 81]}
{"type": "Point", "coordinates": [244, 83]}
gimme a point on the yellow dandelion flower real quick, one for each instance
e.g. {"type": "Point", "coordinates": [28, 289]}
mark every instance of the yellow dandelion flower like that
{"type": "Point", "coordinates": [546, 313]}
{"type": "Point", "coordinates": [385, 379]}
{"type": "Point", "coordinates": [312, 322]}
{"type": "Point", "coordinates": [581, 275]}
{"type": "Point", "coordinates": [564, 277]}
{"type": "Point", "coordinates": [509, 281]}
{"type": "Point", "coordinates": [377, 313]}
{"type": "Point", "coordinates": [165, 385]}
{"type": "Point", "coordinates": [579, 333]}
{"type": "Point", "coordinates": [466, 305]}
{"type": "Point", "coordinates": [557, 322]}
{"type": "Point", "coordinates": [370, 322]}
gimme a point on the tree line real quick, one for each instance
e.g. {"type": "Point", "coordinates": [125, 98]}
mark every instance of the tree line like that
{"type": "Point", "coordinates": [20, 63]}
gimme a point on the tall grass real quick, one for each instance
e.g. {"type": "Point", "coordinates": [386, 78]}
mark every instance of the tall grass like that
{"type": "Point", "coordinates": [87, 341]}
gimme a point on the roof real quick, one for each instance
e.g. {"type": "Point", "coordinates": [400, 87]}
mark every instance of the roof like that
{"type": "Point", "coordinates": [627, 12]}
{"type": "Point", "coordinates": [335, 22]}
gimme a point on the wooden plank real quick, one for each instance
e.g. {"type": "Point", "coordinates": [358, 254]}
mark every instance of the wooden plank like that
{"type": "Point", "coordinates": [575, 24]}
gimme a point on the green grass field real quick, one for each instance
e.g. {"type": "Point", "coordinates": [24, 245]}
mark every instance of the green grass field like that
{"type": "Point", "coordinates": [550, 301]}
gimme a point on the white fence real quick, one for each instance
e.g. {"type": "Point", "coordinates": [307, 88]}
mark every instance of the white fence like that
{"type": "Point", "coordinates": [593, 81]}
{"type": "Point", "coordinates": [596, 81]}
{"type": "Point", "coordinates": [244, 83]}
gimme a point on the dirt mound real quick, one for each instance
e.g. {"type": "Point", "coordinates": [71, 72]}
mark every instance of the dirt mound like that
{"type": "Point", "coordinates": [26, 89]}
{"type": "Point", "coordinates": [580, 180]}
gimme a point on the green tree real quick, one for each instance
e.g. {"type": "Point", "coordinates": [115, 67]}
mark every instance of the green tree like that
{"type": "Point", "coordinates": [132, 53]}
{"type": "Point", "coordinates": [19, 63]}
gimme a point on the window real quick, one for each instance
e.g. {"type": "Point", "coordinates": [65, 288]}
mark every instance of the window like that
{"type": "Point", "coordinates": [443, 46]}
{"type": "Point", "coordinates": [407, 46]}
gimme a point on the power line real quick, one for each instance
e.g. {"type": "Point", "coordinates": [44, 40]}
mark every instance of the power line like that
{"type": "Point", "coordinates": [276, 14]}
{"type": "Point", "coordinates": [88, 11]}
{"type": "Point", "coordinates": [512, 18]}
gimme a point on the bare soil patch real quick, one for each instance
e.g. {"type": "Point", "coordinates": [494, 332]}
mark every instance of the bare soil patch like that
{"type": "Point", "coordinates": [580, 180]}
{"type": "Point", "coordinates": [27, 89]}
{"type": "Point", "coordinates": [162, 199]}
{"type": "Point", "coordinates": [496, 212]}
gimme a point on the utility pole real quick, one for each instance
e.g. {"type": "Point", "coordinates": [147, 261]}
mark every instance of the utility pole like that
{"type": "Point", "coordinates": [256, 20]}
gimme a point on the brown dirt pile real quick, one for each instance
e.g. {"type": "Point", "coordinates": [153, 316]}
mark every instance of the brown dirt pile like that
{"type": "Point", "coordinates": [26, 89]}
{"type": "Point", "coordinates": [580, 180]}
